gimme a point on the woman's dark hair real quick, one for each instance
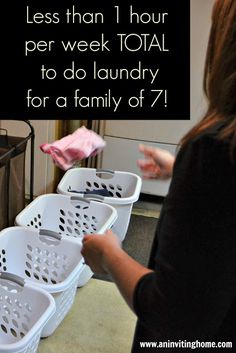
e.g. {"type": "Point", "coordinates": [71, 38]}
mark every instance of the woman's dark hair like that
{"type": "Point", "coordinates": [220, 74]}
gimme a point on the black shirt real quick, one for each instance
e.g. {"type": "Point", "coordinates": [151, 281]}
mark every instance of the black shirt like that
{"type": "Point", "coordinates": [191, 295]}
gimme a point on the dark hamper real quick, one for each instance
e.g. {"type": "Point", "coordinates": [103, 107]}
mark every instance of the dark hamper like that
{"type": "Point", "coordinates": [12, 173]}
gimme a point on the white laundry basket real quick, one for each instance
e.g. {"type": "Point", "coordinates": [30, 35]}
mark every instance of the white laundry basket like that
{"type": "Point", "coordinates": [123, 189]}
{"type": "Point", "coordinates": [70, 216]}
{"type": "Point", "coordinates": [45, 259]}
{"type": "Point", "coordinates": [24, 311]}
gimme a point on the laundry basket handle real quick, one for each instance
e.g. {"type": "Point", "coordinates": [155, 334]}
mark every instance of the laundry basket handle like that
{"type": "Point", "coordinates": [94, 197]}
{"type": "Point", "coordinates": [50, 233]}
{"type": "Point", "coordinates": [79, 198]}
{"type": "Point", "coordinates": [107, 171]}
{"type": "Point", "coordinates": [12, 277]}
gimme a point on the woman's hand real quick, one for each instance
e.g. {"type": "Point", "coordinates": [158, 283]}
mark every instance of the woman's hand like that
{"type": "Point", "coordinates": [158, 163]}
{"type": "Point", "coordinates": [95, 248]}
{"type": "Point", "coordinates": [104, 255]}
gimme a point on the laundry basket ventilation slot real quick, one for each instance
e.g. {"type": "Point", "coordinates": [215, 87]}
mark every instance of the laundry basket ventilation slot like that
{"type": "Point", "coordinates": [41, 264]}
{"type": "Point", "coordinates": [35, 222]}
{"type": "Point", "coordinates": [77, 224]}
{"type": "Point", "coordinates": [71, 224]}
{"type": "Point", "coordinates": [15, 316]}
{"type": "Point", "coordinates": [3, 260]}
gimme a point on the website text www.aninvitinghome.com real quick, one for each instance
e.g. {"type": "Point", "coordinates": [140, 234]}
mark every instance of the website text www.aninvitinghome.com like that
{"type": "Point", "coordinates": [182, 344]}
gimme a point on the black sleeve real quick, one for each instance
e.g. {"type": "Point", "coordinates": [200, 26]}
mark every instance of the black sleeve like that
{"type": "Point", "coordinates": [194, 282]}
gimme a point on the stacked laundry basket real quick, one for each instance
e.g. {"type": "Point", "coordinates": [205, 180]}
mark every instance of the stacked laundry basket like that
{"type": "Point", "coordinates": [41, 264]}
{"type": "Point", "coordinates": [117, 188]}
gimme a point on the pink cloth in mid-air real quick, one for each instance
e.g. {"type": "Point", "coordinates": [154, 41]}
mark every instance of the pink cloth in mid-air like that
{"type": "Point", "coordinates": [75, 147]}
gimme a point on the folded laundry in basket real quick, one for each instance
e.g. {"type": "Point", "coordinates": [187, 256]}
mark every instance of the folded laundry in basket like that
{"type": "Point", "coordinates": [102, 192]}
{"type": "Point", "coordinates": [74, 147]}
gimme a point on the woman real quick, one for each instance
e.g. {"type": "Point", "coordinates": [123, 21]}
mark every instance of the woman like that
{"type": "Point", "coordinates": [188, 291]}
